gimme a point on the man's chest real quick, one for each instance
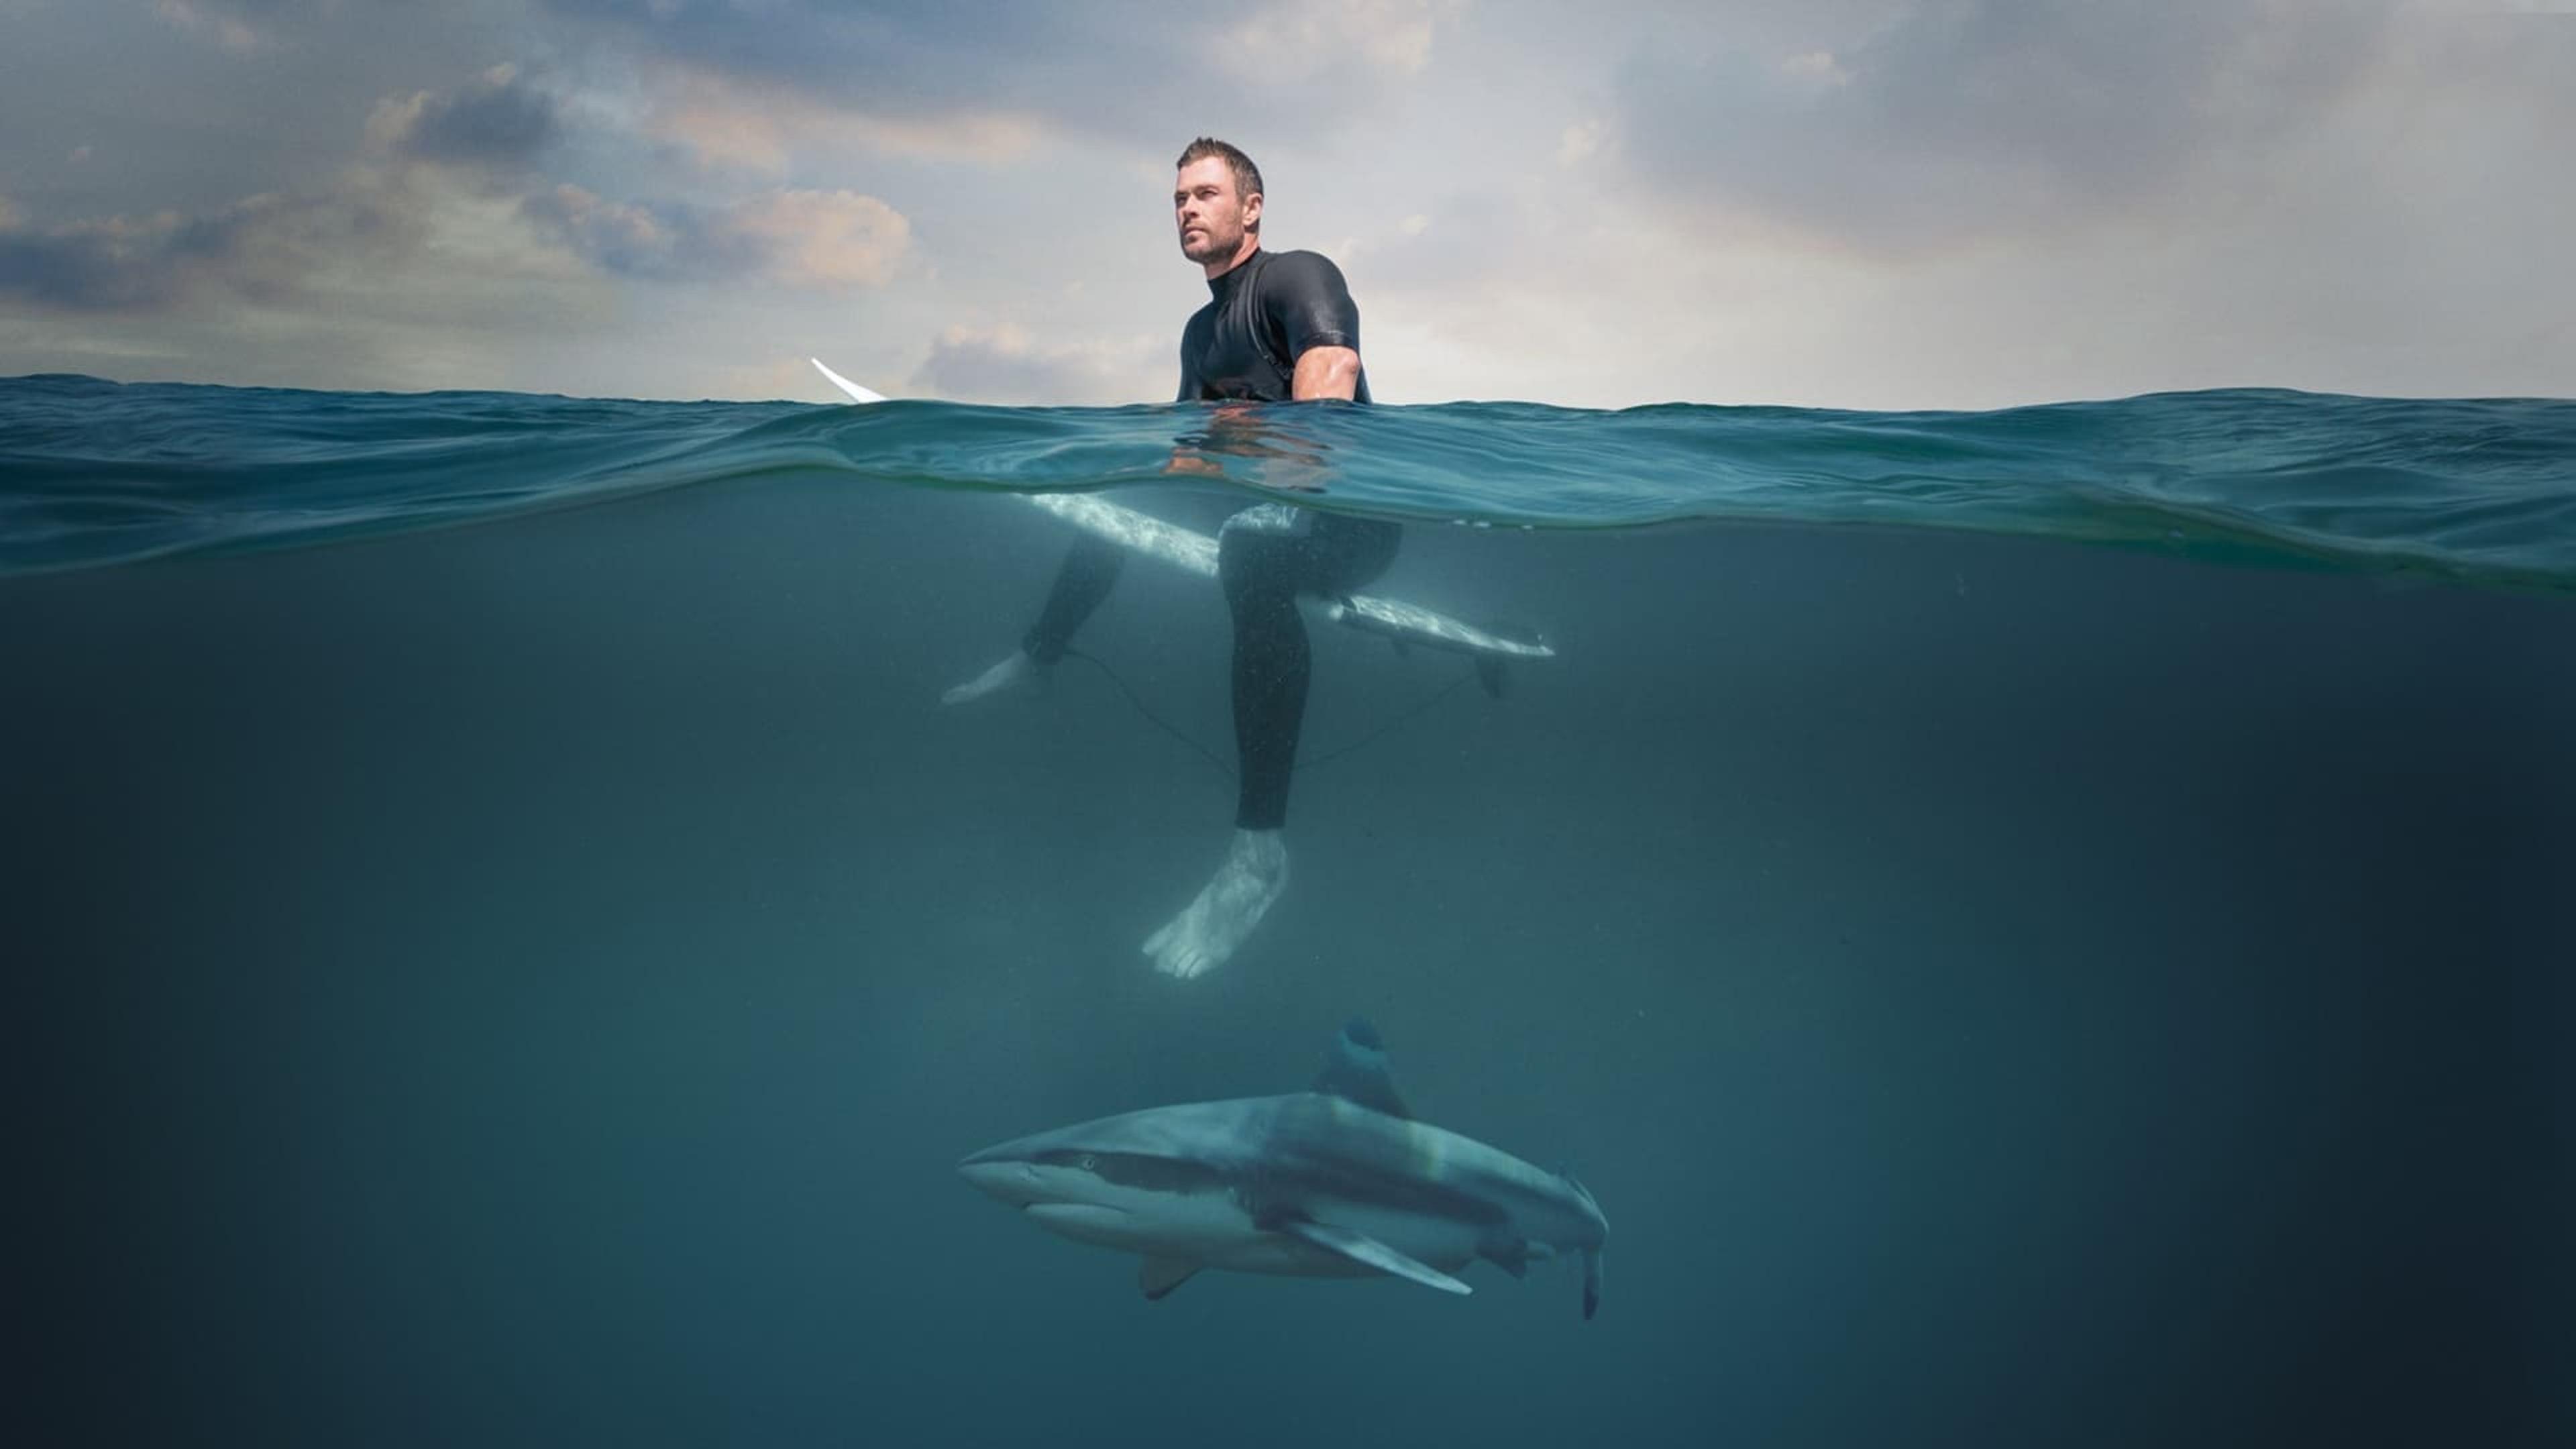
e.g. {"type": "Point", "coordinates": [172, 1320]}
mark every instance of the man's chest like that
{"type": "Point", "coordinates": [1232, 356]}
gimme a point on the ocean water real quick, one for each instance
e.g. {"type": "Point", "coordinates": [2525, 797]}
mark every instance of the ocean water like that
{"type": "Point", "coordinates": [2039, 927]}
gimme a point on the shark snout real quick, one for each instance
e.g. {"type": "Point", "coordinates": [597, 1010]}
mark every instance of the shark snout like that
{"type": "Point", "coordinates": [997, 1172]}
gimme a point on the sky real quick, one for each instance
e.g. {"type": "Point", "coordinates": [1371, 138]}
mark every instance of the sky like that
{"type": "Point", "coordinates": [1846, 203]}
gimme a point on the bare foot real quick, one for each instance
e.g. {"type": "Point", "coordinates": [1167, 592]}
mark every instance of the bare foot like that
{"type": "Point", "coordinates": [1013, 672]}
{"type": "Point", "coordinates": [1249, 879]}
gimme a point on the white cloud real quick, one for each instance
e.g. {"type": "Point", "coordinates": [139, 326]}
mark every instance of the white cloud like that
{"type": "Point", "coordinates": [817, 240]}
{"type": "Point", "coordinates": [717, 127]}
{"type": "Point", "coordinates": [723, 122]}
{"type": "Point", "coordinates": [826, 239]}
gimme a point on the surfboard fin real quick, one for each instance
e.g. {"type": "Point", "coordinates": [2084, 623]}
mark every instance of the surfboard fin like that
{"type": "Point", "coordinates": [1489, 667]}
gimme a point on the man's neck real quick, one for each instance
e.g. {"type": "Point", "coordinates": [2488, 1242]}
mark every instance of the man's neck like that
{"type": "Point", "coordinates": [1241, 255]}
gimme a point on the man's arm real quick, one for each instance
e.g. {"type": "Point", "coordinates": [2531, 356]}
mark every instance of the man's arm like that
{"type": "Point", "coordinates": [1317, 323]}
{"type": "Point", "coordinates": [1326, 372]}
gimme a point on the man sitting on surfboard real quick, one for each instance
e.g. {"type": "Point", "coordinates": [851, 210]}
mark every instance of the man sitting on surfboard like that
{"type": "Point", "coordinates": [1279, 327]}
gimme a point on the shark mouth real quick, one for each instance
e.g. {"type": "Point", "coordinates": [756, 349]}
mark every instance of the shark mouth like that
{"type": "Point", "coordinates": [1076, 1214]}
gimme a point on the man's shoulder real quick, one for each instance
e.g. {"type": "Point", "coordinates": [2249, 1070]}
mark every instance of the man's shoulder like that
{"type": "Point", "coordinates": [1290, 266]}
{"type": "Point", "coordinates": [1290, 277]}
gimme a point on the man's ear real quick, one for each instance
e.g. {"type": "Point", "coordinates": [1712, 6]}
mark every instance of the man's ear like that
{"type": "Point", "coordinates": [1252, 211]}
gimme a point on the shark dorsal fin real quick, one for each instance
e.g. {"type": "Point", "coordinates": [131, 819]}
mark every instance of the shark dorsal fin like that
{"type": "Point", "coordinates": [1357, 1071]}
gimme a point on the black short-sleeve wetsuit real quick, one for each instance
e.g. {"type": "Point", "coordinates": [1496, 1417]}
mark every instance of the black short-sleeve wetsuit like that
{"type": "Point", "coordinates": [1261, 316]}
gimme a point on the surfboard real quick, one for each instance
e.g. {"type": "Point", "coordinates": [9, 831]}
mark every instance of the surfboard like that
{"type": "Point", "coordinates": [1196, 552]}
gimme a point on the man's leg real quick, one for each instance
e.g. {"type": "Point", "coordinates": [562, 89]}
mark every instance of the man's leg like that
{"type": "Point", "coordinates": [1090, 570]}
{"type": "Point", "coordinates": [1266, 557]}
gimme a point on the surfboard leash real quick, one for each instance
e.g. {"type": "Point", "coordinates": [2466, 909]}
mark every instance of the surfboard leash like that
{"type": "Point", "coordinates": [1160, 723]}
{"type": "Point", "coordinates": [1303, 765]}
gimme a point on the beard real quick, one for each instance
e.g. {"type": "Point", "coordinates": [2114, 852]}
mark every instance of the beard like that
{"type": "Point", "coordinates": [1212, 245]}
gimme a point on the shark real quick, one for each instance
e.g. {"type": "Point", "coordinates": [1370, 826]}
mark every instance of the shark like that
{"type": "Point", "coordinates": [1339, 1181]}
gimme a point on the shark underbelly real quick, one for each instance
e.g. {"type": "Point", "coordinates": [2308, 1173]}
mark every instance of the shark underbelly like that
{"type": "Point", "coordinates": [1197, 1226]}
{"type": "Point", "coordinates": [1214, 1230]}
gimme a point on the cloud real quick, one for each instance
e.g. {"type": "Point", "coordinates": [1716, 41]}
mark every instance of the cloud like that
{"type": "Point", "coordinates": [828, 240]}
{"type": "Point", "coordinates": [1977, 118]}
{"type": "Point", "coordinates": [721, 122]}
{"type": "Point", "coordinates": [431, 154]}
{"type": "Point", "coordinates": [269, 248]}
{"type": "Point", "coordinates": [242, 27]}
{"type": "Point", "coordinates": [440, 161]}
{"type": "Point", "coordinates": [1005, 365]}
{"type": "Point", "coordinates": [496, 121]}
{"type": "Point", "coordinates": [1298, 42]}
{"type": "Point", "coordinates": [720, 125]}
{"type": "Point", "coordinates": [1129, 70]}
{"type": "Point", "coordinates": [261, 249]}
{"type": "Point", "coordinates": [818, 240]}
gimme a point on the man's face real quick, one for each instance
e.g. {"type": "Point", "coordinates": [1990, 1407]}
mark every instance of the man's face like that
{"type": "Point", "coordinates": [1211, 214]}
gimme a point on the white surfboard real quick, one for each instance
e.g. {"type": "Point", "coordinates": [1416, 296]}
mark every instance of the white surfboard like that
{"type": "Point", "coordinates": [1187, 548]}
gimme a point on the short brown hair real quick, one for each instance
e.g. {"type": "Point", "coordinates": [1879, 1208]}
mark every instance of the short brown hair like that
{"type": "Point", "coordinates": [1247, 177]}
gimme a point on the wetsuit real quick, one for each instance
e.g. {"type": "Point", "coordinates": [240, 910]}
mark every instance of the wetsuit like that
{"type": "Point", "coordinates": [1244, 344]}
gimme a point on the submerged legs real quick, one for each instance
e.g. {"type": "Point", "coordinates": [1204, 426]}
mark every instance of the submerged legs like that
{"type": "Point", "coordinates": [1090, 570]}
{"type": "Point", "coordinates": [1267, 555]}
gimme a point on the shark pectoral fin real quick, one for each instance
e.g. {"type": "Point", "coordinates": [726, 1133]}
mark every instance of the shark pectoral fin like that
{"type": "Point", "coordinates": [1159, 1276]}
{"type": "Point", "coordinates": [1591, 1282]}
{"type": "Point", "coordinates": [1362, 1249]}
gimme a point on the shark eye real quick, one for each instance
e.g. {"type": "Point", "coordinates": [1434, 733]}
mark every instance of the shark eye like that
{"type": "Point", "coordinates": [1089, 1162]}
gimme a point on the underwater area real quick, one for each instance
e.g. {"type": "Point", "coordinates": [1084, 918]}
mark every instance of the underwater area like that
{"type": "Point", "coordinates": [2038, 928]}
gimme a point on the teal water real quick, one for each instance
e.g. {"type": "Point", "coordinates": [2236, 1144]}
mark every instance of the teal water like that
{"type": "Point", "coordinates": [2477, 489]}
{"type": "Point", "coordinates": [2083, 959]}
